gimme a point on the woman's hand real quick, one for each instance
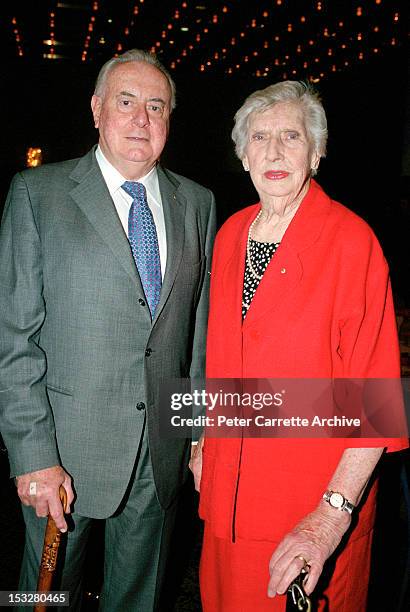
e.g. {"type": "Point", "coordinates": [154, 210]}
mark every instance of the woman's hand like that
{"type": "Point", "coordinates": [195, 464]}
{"type": "Point", "coordinates": [313, 540]}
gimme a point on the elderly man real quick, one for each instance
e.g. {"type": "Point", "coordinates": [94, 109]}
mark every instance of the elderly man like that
{"type": "Point", "coordinates": [103, 295]}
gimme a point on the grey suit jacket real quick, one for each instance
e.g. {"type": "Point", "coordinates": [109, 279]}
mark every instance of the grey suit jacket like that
{"type": "Point", "coordinates": [75, 329]}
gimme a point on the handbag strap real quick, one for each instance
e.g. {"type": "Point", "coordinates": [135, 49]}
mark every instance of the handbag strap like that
{"type": "Point", "coordinates": [298, 595]}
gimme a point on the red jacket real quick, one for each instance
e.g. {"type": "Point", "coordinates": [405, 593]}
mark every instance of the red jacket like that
{"type": "Point", "coordinates": [323, 309]}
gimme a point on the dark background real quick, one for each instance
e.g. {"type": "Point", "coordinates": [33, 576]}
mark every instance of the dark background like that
{"type": "Point", "coordinates": [47, 104]}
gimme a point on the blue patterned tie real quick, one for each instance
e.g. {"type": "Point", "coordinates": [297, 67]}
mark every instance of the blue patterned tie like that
{"type": "Point", "coordinates": [142, 235]}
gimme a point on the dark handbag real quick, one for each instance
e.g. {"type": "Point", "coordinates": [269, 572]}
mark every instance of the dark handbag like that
{"type": "Point", "coordinates": [296, 596]}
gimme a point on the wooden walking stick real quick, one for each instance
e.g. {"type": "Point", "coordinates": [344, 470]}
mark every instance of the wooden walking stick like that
{"type": "Point", "coordinates": [49, 555]}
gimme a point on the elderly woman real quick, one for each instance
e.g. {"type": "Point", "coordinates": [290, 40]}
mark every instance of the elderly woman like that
{"type": "Point", "coordinates": [299, 288]}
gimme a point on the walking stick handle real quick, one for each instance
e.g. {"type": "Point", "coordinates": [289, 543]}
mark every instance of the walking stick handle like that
{"type": "Point", "coordinates": [50, 551]}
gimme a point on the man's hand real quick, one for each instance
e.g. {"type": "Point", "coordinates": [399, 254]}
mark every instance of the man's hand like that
{"type": "Point", "coordinates": [44, 494]}
{"type": "Point", "coordinates": [313, 540]}
{"type": "Point", "coordinates": [195, 464]}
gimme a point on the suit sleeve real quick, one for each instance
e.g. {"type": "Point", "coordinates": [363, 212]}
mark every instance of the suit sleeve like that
{"type": "Point", "coordinates": [26, 420]}
{"type": "Point", "coordinates": [197, 370]}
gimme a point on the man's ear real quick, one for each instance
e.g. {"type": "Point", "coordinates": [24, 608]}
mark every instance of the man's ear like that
{"type": "Point", "coordinates": [96, 109]}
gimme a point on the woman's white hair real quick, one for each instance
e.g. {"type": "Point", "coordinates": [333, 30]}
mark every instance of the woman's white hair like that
{"type": "Point", "coordinates": [286, 91]}
{"type": "Point", "coordinates": [133, 55]}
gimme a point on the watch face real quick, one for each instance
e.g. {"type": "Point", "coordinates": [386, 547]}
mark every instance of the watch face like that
{"type": "Point", "coordinates": [336, 500]}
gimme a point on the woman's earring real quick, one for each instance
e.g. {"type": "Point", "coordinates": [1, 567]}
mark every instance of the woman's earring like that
{"type": "Point", "coordinates": [245, 167]}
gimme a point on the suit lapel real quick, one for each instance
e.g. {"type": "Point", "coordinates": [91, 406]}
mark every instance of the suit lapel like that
{"type": "Point", "coordinates": [234, 271]}
{"type": "Point", "coordinates": [285, 270]}
{"type": "Point", "coordinates": [93, 198]}
{"type": "Point", "coordinates": [174, 204]}
{"type": "Point", "coordinates": [276, 283]}
{"type": "Point", "coordinates": [282, 275]}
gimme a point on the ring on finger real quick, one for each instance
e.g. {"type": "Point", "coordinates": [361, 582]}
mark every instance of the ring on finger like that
{"type": "Point", "coordinates": [306, 565]}
{"type": "Point", "coordinates": [32, 488]}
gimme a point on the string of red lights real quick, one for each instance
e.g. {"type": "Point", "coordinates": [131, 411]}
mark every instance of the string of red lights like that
{"type": "Point", "coordinates": [50, 42]}
{"type": "Point", "coordinates": [201, 32]}
{"type": "Point", "coordinates": [224, 51]}
{"type": "Point", "coordinates": [273, 37]}
{"type": "Point", "coordinates": [313, 63]}
{"type": "Point", "coordinates": [136, 10]}
{"type": "Point", "coordinates": [168, 30]}
{"type": "Point", "coordinates": [17, 36]}
{"type": "Point", "coordinates": [90, 29]}
{"type": "Point", "coordinates": [264, 49]}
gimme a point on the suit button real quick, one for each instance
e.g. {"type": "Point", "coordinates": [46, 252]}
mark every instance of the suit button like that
{"type": "Point", "coordinates": [140, 406]}
{"type": "Point", "coordinates": [141, 302]}
{"type": "Point", "coordinates": [148, 352]}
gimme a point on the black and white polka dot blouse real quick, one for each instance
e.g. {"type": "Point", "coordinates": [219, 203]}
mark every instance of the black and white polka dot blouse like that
{"type": "Point", "coordinates": [261, 253]}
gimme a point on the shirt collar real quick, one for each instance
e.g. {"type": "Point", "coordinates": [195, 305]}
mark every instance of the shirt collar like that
{"type": "Point", "coordinates": [114, 179]}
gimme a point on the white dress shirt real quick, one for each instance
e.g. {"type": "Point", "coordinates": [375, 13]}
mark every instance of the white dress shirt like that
{"type": "Point", "coordinates": [123, 200]}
